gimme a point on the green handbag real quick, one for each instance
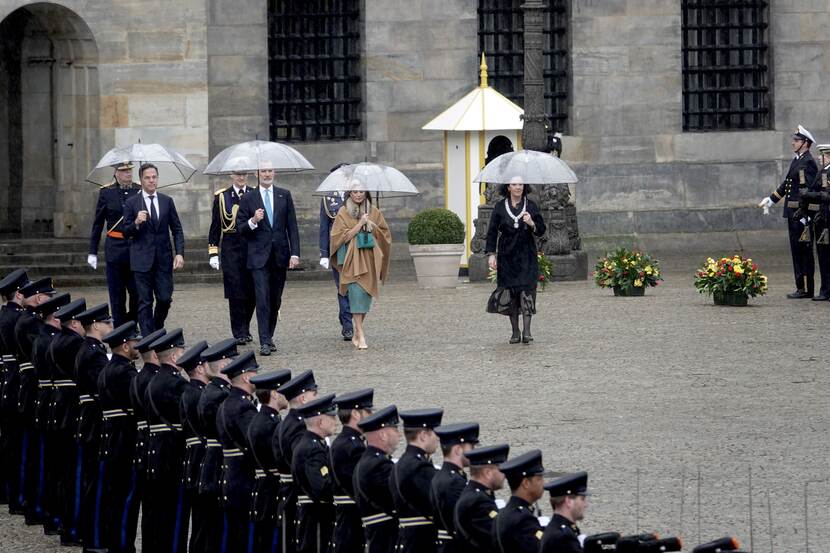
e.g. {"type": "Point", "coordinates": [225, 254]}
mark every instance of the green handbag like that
{"type": "Point", "coordinates": [365, 240]}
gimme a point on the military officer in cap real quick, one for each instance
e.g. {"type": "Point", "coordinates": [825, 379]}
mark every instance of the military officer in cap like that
{"type": "Point", "coordinates": [63, 351]}
{"type": "Point", "coordinates": [568, 497]}
{"type": "Point", "coordinates": [118, 512]}
{"type": "Point", "coordinates": [800, 175]}
{"type": "Point", "coordinates": [141, 409]}
{"type": "Point", "coordinates": [516, 529]}
{"type": "Point", "coordinates": [345, 452]}
{"type": "Point", "coordinates": [265, 496]}
{"type": "Point", "coordinates": [476, 507]}
{"type": "Point", "coordinates": [194, 446]}
{"type": "Point", "coordinates": [42, 490]}
{"type": "Point", "coordinates": [109, 215]}
{"type": "Point", "coordinates": [456, 441]}
{"type": "Point", "coordinates": [90, 361]}
{"type": "Point", "coordinates": [208, 537]}
{"type": "Point", "coordinates": [232, 420]}
{"type": "Point", "coordinates": [165, 504]}
{"type": "Point", "coordinates": [311, 467]}
{"type": "Point", "coordinates": [411, 481]}
{"type": "Point", "coordinates": [298, 391]}
{"type": "Point", "coordinates": [371, 480]}
{"type": "Point", "coordinates": [330, 204]}
{"type": "Point", "coordinates": [815, 206]}
{"type": "Point", "coordinates": [10, 430]}
{"type": "Point", "coordinates": [223, 235]}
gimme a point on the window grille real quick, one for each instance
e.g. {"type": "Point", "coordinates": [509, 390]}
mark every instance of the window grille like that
{"type": "Point", "coordinates": [314, 90]}
{"type": "Point", "coordinates": [725, 65]}
{"type": "Point", "coordinates": [500, 28]}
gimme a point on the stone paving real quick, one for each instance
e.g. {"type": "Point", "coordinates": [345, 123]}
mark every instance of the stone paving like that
{"type": "Point", "coordinates": [670, 403]}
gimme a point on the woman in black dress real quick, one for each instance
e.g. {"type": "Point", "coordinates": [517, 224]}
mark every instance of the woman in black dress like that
{"type": "Point", "coordinates": [511, 251]}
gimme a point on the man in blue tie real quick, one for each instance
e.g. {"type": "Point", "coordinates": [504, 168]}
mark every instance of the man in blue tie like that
{"type": "Point", "coordinates": [269, 224]}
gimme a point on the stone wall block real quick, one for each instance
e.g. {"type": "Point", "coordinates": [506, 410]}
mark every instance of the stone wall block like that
{"type": "Point", "coordinates": [230, 100]}
{"type": "Point", "coordinates": [601, 60]}
{"type": "Point", "coordinates": [242, 40]}
{"type": "Point", "coordinates": [727, 147]}
{"type": "Point", "coordinates": [153, 78]}
{"type": "Point", "coordinates": [237, 12]}
{"type": "Point", "coordinates": [238, 71]}
{"type": "Point", "coordinates": [166, 45]}
{"type": "Point", "coordinates": [394, 67]}
{"type": "Point", "coordinates": [156, 110]}
{"type": "Point", "coordinates": [393, 10]}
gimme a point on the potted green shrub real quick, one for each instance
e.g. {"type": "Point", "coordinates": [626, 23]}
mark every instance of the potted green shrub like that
{"type": "Point", "coordinates": [627, 272]}
{"type": "Point", "coordinates": [730, 280]}
{"type": "Point", "coordinates": [436, 243]}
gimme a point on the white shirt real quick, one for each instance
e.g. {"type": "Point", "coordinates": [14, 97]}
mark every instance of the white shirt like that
{"type": "Point", "coordinates": [155, 201]}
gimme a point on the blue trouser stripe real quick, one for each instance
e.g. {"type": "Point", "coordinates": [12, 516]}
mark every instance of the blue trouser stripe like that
{"type": "Point", "coordinates": [76, 514]}
{"type": "Point", "coordinates": [125, 516]}
{"type": "Point", "coordinates": [22, 484]}
{"type": "Point", "coordinates": [96, 526]}
{"type": "Point", "coordinates": [251, 537]}
{"type": "Point", "coordinates": [41, 477]}
{"type": "Point", "coordinates": [275, 541]}
{"type": "Point", "coordinates": [178, 528]}
{"type": "Point", "coordinates": [224, 533]}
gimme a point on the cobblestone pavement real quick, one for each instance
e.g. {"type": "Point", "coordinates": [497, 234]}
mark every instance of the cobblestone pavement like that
{"type": "Point", "coordinates": [670, 403]}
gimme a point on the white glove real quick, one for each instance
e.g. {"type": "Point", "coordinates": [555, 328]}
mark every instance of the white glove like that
{"type": "Point", "coordinates": [766, 203]}
{"type": "Point", "coordinates": [214, 262]}
{"type": "Point", "coordinates": [92, 261]}
{"type": "Point", "coordinates": [804, 221]}
{"type": "Point", "coordinates": [324, 262]}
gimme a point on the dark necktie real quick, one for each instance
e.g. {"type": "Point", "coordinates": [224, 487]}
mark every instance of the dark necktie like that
{"type": "Point", "coordinates": [154, 217]}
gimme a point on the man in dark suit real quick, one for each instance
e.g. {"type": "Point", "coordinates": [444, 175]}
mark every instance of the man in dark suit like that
{"type": "Point", "coordinates": [239, 285]}
{"type": "Point", "coordinates": [110, 212]}
{"type": "Point", "coordinates": [268, 222]}
{"type": "Point", "coordinates": [149, 220]}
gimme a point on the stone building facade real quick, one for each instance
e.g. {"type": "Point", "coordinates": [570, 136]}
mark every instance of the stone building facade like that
{"type": "Point", "coordinates": [79, 76]}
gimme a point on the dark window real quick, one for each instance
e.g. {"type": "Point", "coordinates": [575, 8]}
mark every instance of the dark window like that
{"type": "Point", "coordinates": [500, 28]}
{"type": "Point", "coordinates": [314, 69]}
{"type": "Point", "coordinates": [725, 65]}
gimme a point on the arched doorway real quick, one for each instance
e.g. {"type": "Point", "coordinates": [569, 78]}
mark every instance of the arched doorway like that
{"type": "Point", "coordinates": [49, 120]}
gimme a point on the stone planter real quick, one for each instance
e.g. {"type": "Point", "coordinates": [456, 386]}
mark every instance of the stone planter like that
{"type": "Point", "coordinates": [735, 299]}
{"type": "Point", "coordinates": [633, 292]}
{"type": "Point", "coordinates": [436, 265]}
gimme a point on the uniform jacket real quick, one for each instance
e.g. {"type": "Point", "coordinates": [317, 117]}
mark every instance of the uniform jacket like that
{"type": "Point", "coordinates": [109, 214]}
{"type": "Point", "coordinates": [312, 477]}
{"type": "Point", "coordinates": [210, 475]}
{"type": "Point", "coordinates": [444, 492]}
{"type": "Point", "coordinates": [266, 487]}
{"type": "Point", "coordinates": [374, 499]}
{"type": "Point", "coordinates": [194, 444]}
{"type": "Point", "coordinates": [232, 420]}
{"type": "Point", "coordinates": [150, 242]}
{"type": "Point", "coordinates": [799, 177]}
{"type": "Point", "coordinates": [410, 485]}
{"type": "Point", "coordinates": [90, 361]}
{"type": "Point", "coordinates": [283, 239]}
{"type": "Point", "coordinates": [345, 452]}
{"type": "Point", "coordinates": [164, 395]}
{"type": "Point", "coordinates": [473, 519]}
{"type": "Point", "coordinates": [141, 409]}
{"type": "Point", "coordinates": [561, 536]}
{"type": "Point", "coordinates": [63, 351]}
{"type": "Point", "coordinates": [118, 436]}
{"type": "Point", "coordinates": [45, 374]}
{"type": "Point", "coordinates": [516, 529]}
{"type": "Point", "coordinates": [329, 206]}
{"type": "Point", "coordinates": [9, 314]}
{"type": "Point", "coordinates": [225, 240]}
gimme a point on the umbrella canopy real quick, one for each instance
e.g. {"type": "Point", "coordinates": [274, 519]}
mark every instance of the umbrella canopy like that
{"type": "Point", "coordinates": [255, 155]}
{"type": "Point", "coordinates": [534, 168]}
{"type": "Point", "coordinates": [381, 180]}
{"type": "Point", "coordinates": [172, 166]}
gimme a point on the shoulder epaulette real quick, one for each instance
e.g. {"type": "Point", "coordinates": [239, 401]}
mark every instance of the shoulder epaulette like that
{"type": "Point", "coordinates": [220, 191]}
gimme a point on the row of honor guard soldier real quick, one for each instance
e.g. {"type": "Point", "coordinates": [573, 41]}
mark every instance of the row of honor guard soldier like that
{"type": "Point", "coordinates": [228, 249]}
{"type": "Point", "coordinates": [109, 218]}
{"type": "Point", "coordinates": [814, 207]}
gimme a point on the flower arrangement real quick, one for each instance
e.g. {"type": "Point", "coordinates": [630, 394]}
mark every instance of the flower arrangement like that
{"type": "Point", "coordinates": [545, 271]}
{"type": "Point", "coordinates": [730, 275]}
{"type": "Point", "coordinates": [627, 271]}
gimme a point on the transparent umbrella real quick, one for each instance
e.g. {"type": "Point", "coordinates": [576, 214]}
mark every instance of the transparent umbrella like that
{"type": "Point", "coordinates": [534, 168]}
{"type": "Point", "coordinates": [255, 155]}
{"type": "Point", "coordinates": [381, 180]}
{"type": "Point", "coordinates": [172, 166]}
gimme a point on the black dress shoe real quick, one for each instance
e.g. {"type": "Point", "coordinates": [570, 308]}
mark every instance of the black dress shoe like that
{"type": "Point", "coordinates": [265, 350]}
{"type": "Point", "coordinates": [516, 338]}
{"type": "Point", "coordinates": [249, 338]}
{"type": "Point", "coordinates": [821, 298]}
{"type": "Point", "coordinates": [273, 346]}
{"type": "Point", "coordinates": [799, 294]}
{"type": "Point", "coordinates": [241, 341]}
{"type": "Point", "coordinates": [527, 338]}
{"type": "Point", "coordinates": [348, 334]}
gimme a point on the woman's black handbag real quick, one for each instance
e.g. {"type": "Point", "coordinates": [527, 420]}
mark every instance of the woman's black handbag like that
{"type": "Point", "coordinates": [500, 301]}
